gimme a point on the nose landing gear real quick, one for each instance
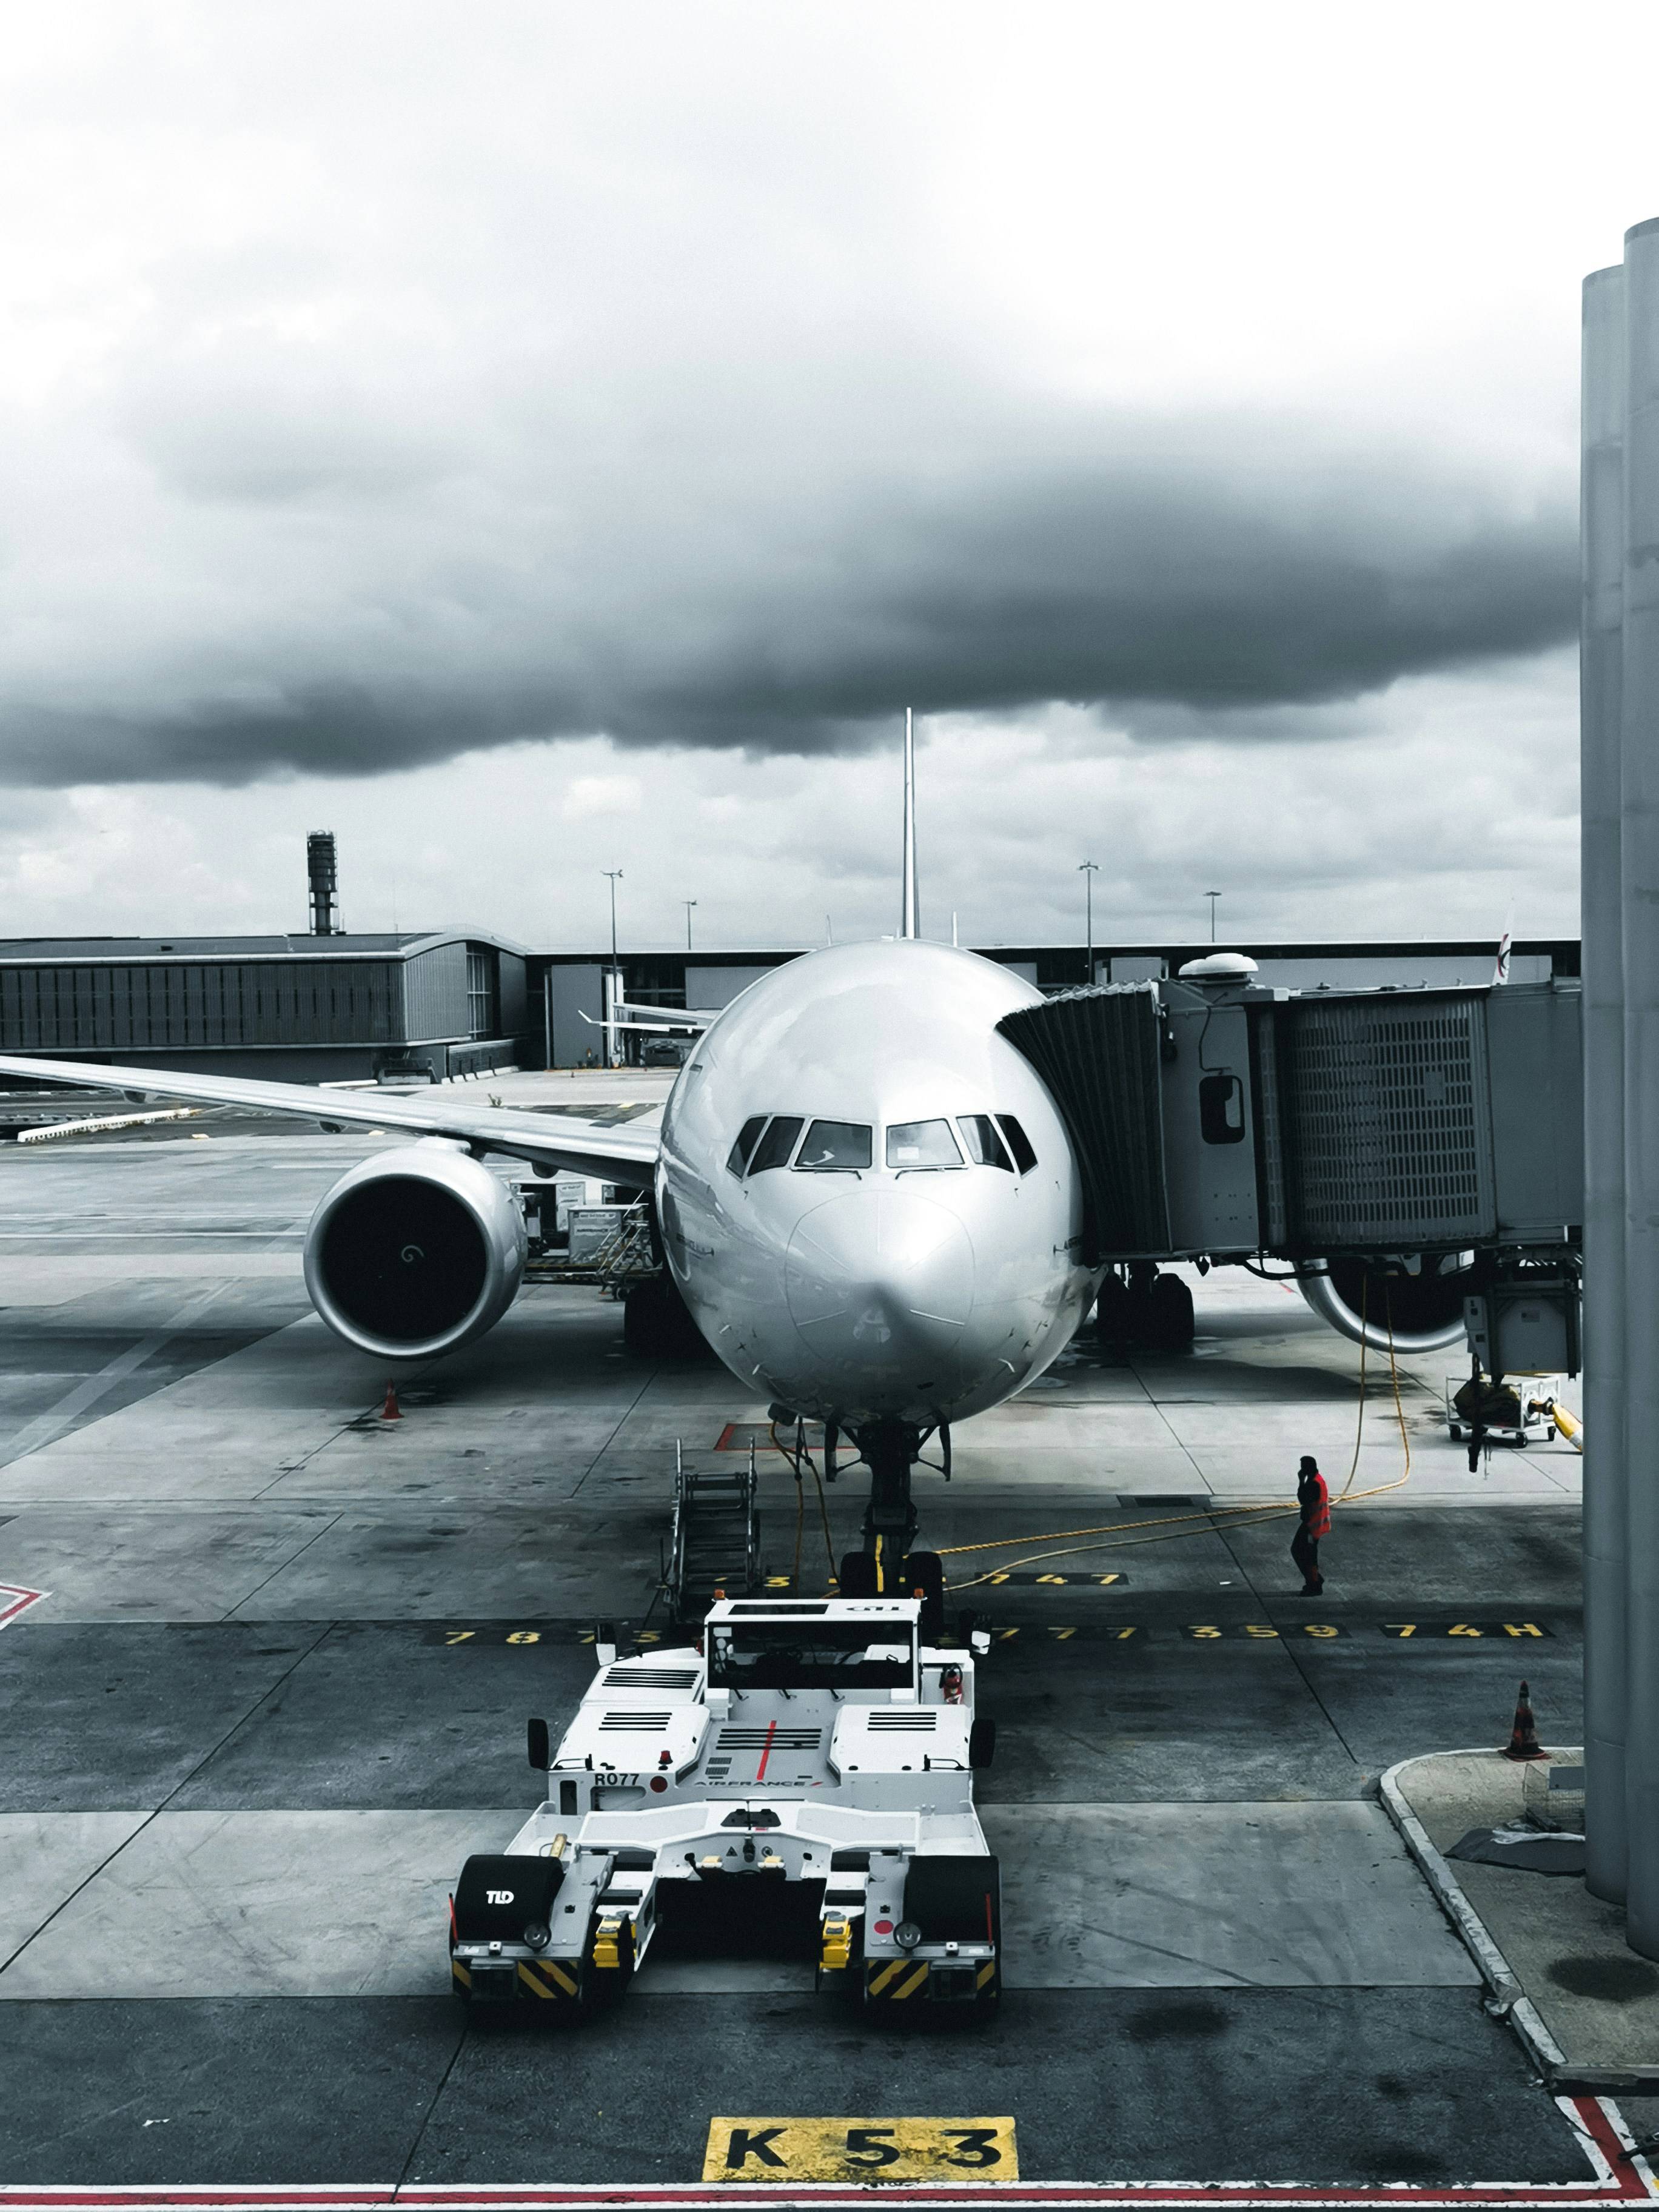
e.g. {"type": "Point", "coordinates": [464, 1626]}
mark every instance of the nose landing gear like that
{"type": "Point", "coordinates": [887, 1566]}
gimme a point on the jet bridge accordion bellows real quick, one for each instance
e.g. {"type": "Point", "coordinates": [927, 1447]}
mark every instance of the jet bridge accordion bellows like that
{"type": "Point", "coordinates": [1098, 1051]}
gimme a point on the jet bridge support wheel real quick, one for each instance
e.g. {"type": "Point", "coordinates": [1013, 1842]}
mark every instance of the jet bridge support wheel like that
{"type": "Point", "coordinates": [715, 1539]}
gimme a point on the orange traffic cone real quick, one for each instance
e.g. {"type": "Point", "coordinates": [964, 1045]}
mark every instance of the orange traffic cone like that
{"type": "Point", "coordinates": [1523, 1736]}
{"type": "Point", "coordinates": [389, 1411]}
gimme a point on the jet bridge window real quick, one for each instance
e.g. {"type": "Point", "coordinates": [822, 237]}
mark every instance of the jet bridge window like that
{"type": "Point", "coordinates": [831, 1145]}
{"type": "Point", "coordinates": [985, 1148]}
{"type": "Point", "coordinates": [922, 1144]}
{"type": "Point", "coordinates": [738, 1158]}
{"type": "Point", "coordinates": [775, 1146]}
{"type": "Point", "coordinates": [1019, 1144]}
{"type": "Point", "coordinates": [820, 1654]}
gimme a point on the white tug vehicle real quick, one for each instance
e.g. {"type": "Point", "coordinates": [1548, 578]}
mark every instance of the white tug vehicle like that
{"type": "Point", "coordinates": [818, 1746]}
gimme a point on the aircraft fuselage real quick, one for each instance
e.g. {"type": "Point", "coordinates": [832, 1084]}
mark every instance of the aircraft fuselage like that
{"type": "Point", "coordinates": [911, 1250]}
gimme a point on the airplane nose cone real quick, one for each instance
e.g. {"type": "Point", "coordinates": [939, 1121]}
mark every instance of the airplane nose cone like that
{"type": "Point", "coordinates": [878, 1277]}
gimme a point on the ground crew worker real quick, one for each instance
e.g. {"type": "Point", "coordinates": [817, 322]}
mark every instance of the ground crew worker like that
{"type": "Point", "coordinates": [1315, 1500]}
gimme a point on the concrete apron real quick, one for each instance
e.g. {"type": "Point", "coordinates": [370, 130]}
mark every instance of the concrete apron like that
{"type": "Point", "coordinates": [1554, 1957]}
{"type": "Point", "coordinates": [352, 1903]}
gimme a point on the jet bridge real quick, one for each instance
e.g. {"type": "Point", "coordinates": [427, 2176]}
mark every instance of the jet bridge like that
{"type": "Point", "coordinates": [1436, 1135]}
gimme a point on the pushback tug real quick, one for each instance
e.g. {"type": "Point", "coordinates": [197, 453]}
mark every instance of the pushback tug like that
{"type": "Point", "coordinates": [817, 1745]}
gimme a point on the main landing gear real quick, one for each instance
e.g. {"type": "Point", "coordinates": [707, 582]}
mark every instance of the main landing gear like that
{"type": "Point", "coordinates": [1139, 1306]}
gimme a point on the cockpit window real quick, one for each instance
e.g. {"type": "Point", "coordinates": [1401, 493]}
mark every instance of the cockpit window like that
{"type": "Point", "coordinates": [985, 1148]}
{"type": "Point", "coordinates": [921, 1144]}
{"type": "Point", "coordinates": [775, 1146]}
{"type": "Point", "coordinates": [1018, 1143]}
{"type": "Point", "coordinates": [836, 1144]}
{"type": "Point", "coordinates": [738, 1158]}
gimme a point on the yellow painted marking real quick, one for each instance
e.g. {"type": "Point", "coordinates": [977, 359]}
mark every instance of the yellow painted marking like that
{"type": "Point", "coordinates": [1205, 1634]}
{"type": "Point", "coordinates": [1462, 1628]}
{"type": "Point", "coordinates": [777, 1581]}
{"type": "Point", "coordinates": [1122, 1635]}
{"type": "Point", "coordinates": [1521, 1628]}
{"type": "Point", "coordinates": [566, 1981]}
{"type": "Point", "coordinates": [460, 1636]}
{"type": "Point", "coordinates": [1256, 1628]}
{"type": "Point", "coordinates": [648, 1636]}
{"type": "Point", "coordinates": [909, 1989]}
{"type": "Point", "coordinates": [1104, 1579]}
{"type": "Point", "coordinates": [996, 1578]}
{"type": "Point", "coordinates": [527, 1977]}
{"type": "Point", "coordinates": [1408, 1628]}
{"type": "Point", "coordinates": [525, 1636]}
{"type": "Point", "coordinates": [1062, 1633]}
{"type": "Point", "coordinates": [1317, 1628]}
{"type": "Point", "coordinates": [881, 1980]}
{"type": "Point", "coordinates": [1003, 1634]}
{"type": "Point", "coordinates": [1051, 1578]}
{"type": "Point", "coordinates": [854, 2151]}
{"type": "Point", "coordinates": [463, 1974]}
{"type": "Point", "coordinates": [985, 1973]}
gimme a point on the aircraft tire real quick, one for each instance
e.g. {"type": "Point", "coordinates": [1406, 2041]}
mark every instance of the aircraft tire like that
{"type": "Point", "coordinates": [1114, 1311]}
{"type": "Point", "coordinates": [1168, 1320]}
{"type": "Point", "coordinates": [657, 1323]}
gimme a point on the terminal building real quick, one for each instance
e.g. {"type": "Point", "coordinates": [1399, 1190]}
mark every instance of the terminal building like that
{"type": "Point", "coordinates": [336, 1007]}
{"type": "Point", "coordinates": [572, 994]}
{"type": "Point", "coordinates": [333, 1005]}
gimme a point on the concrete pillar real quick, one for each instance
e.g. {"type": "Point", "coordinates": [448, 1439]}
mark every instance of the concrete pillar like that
{"type": "Point", "coordinates": [1639, 722]}
{"type": "Point", "coordinates": [1601, 543]}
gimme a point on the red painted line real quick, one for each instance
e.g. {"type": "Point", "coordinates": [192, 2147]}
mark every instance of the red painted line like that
{"type": "Point", "coordinates": [1005, 2196]}
{"type": "Point", "coordinates": [766, 1753]}
{"type": "Point", "coordinates": [21, 1601]}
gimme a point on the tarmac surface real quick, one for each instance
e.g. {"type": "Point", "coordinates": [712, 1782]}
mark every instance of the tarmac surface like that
{"type": "Point", "coordinates": [277, 1686]}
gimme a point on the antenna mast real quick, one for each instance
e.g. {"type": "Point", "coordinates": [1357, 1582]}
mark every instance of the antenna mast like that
{"type": "Point", "coordinates": [910, 915]}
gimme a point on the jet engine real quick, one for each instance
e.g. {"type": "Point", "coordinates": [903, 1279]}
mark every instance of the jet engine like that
{"type": "Point", "coordinates": [1374, 1301]}
{"type": "Point", "coordinates": [414, 1252]}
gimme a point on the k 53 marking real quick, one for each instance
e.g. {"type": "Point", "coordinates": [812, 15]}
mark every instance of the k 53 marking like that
{"type": "Point", "coordinates": [861, 2150]}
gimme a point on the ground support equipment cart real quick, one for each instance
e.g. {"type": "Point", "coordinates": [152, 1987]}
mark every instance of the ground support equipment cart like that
{"type": "Point", "coordinates": [810, 1754]}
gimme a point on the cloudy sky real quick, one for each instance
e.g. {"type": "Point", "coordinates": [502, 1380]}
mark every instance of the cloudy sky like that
{"type": "Point", "coordinates": [535, 439]}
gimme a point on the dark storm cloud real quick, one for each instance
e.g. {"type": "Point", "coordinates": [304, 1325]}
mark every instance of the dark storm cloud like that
{"type": "Point", "coordinates": [1164, 577]}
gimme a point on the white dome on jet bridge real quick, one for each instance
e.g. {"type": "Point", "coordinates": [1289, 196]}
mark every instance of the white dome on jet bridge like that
{"type": "Point", "coordinates": [1219, 968]}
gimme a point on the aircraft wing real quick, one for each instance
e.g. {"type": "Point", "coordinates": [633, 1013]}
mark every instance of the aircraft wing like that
{"type": "Point", "coordinates": [627, 1154]}
{"type": "Point", "coordinates": [630, 1016]}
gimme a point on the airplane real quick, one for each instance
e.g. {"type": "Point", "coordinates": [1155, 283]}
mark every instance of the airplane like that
{"type": "Point", "coordinates": [867, 1198]}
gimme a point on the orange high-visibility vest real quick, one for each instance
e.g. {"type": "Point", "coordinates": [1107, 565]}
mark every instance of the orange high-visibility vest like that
{"type": "Point", "coordinates": [1316, 1512]}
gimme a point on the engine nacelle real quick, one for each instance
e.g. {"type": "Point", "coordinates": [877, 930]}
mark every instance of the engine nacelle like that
{"type": "Point", "coordinates": [1374, 1305]}
{"type": "Point", "coordinates": [414, 1252]}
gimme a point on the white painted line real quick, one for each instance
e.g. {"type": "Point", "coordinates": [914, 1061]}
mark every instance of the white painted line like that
{"type": "Point", "coordinates": [46, 1427]}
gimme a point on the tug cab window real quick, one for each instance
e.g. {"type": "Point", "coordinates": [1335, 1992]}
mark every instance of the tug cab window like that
{"type": "Point", "coordinates": [1019, 1144]}
{"type": "Point", "coordinates": [832, 1145]}
{"type": "Point", "coordinates": [922, 1144]}
{"type": "Point", "coordinates": [737, 1159]}
{"type": "Point", "coordinates": [823, 1655]}
{"type": "Point", "coordinates": [985, 1148]}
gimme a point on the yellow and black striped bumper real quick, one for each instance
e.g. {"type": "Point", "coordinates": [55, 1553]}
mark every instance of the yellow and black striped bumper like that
{"type": "Point", "coordinates": [548, 1979]}
{"type": "Point", "coordinates": [946, 1981]}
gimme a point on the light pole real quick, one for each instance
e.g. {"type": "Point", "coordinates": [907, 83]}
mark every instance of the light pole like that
{"type": "Point", "coordinates": [614, 875]}
{"type": "Point", "coordinates": [688, 905]}
{"type": "Point", "coordinates": [1089, 870]}
{"type": "Point", "coordinates": [1212, 897]}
